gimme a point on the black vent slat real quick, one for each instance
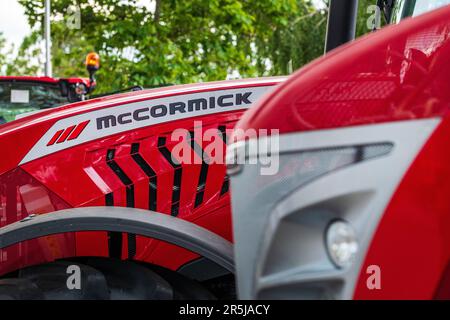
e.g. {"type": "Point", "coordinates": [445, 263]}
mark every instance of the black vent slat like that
{"type": "Point", "coordinates": [151, 174]}
{"type": "Point", "coordinates": [176, 189]}
{"type": "Point", "coordinates": [115, 239]}
{"type": "Point", "coordinates": [226, 180]}
{"type": "Point", "coordinates": [203, 171]}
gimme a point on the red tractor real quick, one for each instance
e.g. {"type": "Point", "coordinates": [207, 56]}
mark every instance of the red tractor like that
{"type": "Point", "coordinates": [359, 206]}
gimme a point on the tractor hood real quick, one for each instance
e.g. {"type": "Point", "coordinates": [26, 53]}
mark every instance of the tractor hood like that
{"type": "Point", "coordinates": [34, 136]}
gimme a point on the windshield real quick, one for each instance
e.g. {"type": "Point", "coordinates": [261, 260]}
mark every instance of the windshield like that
{"type": "Point", "coordinates": [21, 97]}
{"type": "Point", "coordinates": [412, 8]}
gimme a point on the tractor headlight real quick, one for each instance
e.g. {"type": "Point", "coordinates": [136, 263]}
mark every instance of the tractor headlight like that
{"type": "Point", "coordinates": [341, 243]}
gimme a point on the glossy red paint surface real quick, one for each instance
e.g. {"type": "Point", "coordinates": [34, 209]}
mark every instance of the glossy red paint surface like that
{"type": "Point", "coordinates": [20, 196]}
{"type": "Point", "coordinates": [397, 73]}
{"type": "Point", "coordinates": [83, 175]}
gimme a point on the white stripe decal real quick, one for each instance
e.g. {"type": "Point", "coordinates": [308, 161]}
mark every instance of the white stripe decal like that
{"type": "Point", "coordinates": [125, 117]}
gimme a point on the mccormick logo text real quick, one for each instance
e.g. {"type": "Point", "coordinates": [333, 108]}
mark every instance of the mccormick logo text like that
{"type": "Point", "coordinates": [126, 116]}
{"type": "Point", "coordinates": [177, 107]}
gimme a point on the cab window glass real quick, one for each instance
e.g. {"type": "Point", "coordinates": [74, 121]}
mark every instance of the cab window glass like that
{"type": "Point", "coordinates": [407, 8]}
{"type": "Point", "coordinates": [423, 6]}
{"type": "Point", "coordinates": [21, 97]}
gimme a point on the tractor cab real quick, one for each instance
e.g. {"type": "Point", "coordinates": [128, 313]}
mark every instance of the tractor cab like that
{"type": "Point", "coordinates": [22, 95]}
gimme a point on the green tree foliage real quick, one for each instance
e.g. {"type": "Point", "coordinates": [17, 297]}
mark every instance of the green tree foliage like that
{"type": "Point", "coordinates": [4, 53]}
{"type": "Point", "coordinates": [28, 59]}
{"type": "Point", "coordinates": [297, 41]}
{"type": "Point", "coordinates": [174, 41]}
{"type": "Point", "coordinates": [301, 39]}
{"type": "Point", "coordinates": [25, 60]}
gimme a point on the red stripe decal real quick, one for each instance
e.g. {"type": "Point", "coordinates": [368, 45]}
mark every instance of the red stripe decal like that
{"type": "Point", "coordinates": [65, 134]}
{"type": "Point", "coordinates": [55, 137]}
{"type": "Point", "coordinates": [79, 129]}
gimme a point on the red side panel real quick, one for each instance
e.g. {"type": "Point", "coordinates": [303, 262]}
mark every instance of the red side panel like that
{"type": "Point", "coordinates": [20, 196]}
{"type": "Point", "coordinates": [89, 169]}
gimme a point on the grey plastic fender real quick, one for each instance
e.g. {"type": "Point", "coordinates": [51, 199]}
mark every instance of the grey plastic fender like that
{"type": "Point", "coordinates": [129, 220]}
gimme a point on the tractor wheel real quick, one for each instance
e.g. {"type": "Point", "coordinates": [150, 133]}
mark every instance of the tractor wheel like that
{"type": "Point", "coordinates": [100, 278]}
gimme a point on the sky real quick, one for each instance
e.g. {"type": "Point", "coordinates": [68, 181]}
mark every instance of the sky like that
{"type": "Point", "coordinates": [13, 23]}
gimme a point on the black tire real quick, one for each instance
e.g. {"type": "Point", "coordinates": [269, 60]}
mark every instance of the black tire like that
{"type": "Point", "coordinates": [183, 287]}
{"type": "Point", "coordinates": [19, 289]}
{"type": "Point", "coordinates": [101, 279]}
{"type": "Point", "coordinates": [51, 279]}
{"type": "Point", "coordinates": [128, 280]}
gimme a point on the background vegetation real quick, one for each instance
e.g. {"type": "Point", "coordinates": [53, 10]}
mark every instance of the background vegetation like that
{"type": "Point", "coordinates": [175, 41]}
